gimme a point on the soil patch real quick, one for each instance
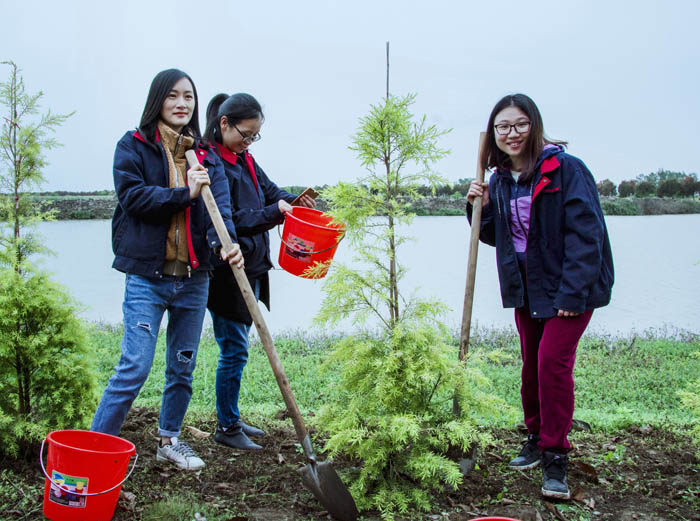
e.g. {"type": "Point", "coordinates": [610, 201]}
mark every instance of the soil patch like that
{"type": "Point", "coordinates": [640, 474]}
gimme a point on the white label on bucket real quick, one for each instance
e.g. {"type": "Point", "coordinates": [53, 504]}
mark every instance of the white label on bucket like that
{"type": "Point", "coordinates": [69, 484]}
{"type": "Point", "coordinates": [300, 248]}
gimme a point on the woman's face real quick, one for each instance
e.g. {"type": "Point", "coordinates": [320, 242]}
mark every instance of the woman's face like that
{"type": "Point", "coordinates": [512, 130]}
{"type": "Point", "coordinates": [178, 105]}
{"type": "Point", "coordinates": [238, 137]}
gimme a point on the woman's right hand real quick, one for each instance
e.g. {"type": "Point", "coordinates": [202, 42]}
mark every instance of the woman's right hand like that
{"type": "Point", "coordinates": [477, 189]}
{"type": "Point", "coordinates": [197, 177]}
{"type": "Point", "coordinates": [284, 206]}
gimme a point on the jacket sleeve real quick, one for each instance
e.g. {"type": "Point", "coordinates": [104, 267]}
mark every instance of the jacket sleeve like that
{"type": "Point", "coordinates": [487, 233]}
{"type": "Point", "coordinates": [251, 221]}
{"type": "Point", "coordinates": [220, 190]}
{"type": "Point", "coordinates": [137, 198]}
{"type": "Point", "coordinates": [584, 233]}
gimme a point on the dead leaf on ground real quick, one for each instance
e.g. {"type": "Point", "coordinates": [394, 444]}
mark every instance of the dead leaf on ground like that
{"type": "Point", "coordinates": [280, 459]}
{"type": "Point", "coordinates": [194, 431]}
{"type": "Point", "coordinates": [578, 494]}
{"type": "Point", "coordinates": [588, 470]}
{"type": "Point", "coordinates": [507, 501]}
{"type": "Point", "coordinates": [224, 487]}
{"type": "Point", "coordinates": [129, 497]}
{"type": "Point", "coordinates": [551, 507]}
{"type": "Point", "coordinates": [580, 425]}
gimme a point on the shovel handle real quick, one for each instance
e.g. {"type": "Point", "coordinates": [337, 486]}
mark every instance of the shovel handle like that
{"type": "Point", "coordinates": [471, 263]}
{"type": "Point", "coordinates": [252, 304]}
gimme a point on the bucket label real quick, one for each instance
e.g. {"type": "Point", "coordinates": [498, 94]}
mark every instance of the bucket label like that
{"type": "Point", "coordinates": [68, 483]}
{"type": "Point", "coordinates": [300, 248]}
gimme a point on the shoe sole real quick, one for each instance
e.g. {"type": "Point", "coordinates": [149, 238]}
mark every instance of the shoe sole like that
{"type": "Point", "coordinates": [525, 467]}
{"type": "Point", "coordinates": [163, 458]}
{"type": "Point", "coordinates": [556, 495]}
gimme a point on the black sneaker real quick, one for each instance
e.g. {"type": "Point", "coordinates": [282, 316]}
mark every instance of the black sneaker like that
{"type": "Point", "coordinates": [235, 438]}
{"type": "Point", "coordinates": [529, 456]}
{"type": "Point", "coordinates": [554, 475]}
{"type": "Point", "coordinates": [250, 430]}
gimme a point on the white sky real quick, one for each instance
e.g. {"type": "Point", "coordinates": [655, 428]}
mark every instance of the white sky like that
{"type": "Point", "coordinates": [618, 80]}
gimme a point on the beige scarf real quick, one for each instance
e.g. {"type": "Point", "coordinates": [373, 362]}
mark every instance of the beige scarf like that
{"type": "Point", "coordinates": [176, 245]}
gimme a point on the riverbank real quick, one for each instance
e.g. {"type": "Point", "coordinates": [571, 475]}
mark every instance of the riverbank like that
{"type": "Point", "coordinates": [102, 206]}
{"type": "Point", "coordinates": [632, 457]}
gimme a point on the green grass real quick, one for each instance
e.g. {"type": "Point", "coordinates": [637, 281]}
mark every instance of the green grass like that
{"type": "Point", "coordinates": [620, 381]}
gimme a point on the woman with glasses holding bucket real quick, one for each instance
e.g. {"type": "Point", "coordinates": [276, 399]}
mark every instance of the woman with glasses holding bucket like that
{"type": "Point", "coordinates": [162, 239]}
{"type": "Point", "coordinates": [542, 213]}
{"type": "Point", "coordinates": [258, 204]}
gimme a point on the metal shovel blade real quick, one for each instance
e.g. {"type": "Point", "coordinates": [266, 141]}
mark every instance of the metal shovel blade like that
{"type": "Point", "coordinates": [324, 483]}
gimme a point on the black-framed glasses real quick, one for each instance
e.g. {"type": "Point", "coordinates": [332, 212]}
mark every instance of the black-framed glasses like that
{"type": "Point", "coordinates": [503, 129]}
{"type": "Point", "coordinates": [248, 139]}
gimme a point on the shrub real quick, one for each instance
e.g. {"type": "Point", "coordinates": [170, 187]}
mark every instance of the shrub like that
{"type": "Point", "coordinates": [668, 188]}
{"type": "Point", "coordinates": [606, 188]}
{"type": "Point", "coordinates": [644, 189]}
{"type": "Point", "coordinates": [626, 188]}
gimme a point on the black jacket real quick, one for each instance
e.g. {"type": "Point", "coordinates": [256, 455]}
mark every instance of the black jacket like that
{"type": "Point", "coordinates": [568, 261]}
{"type": "Point", "coordinates": [146, 205]}
{"type": "Point", "coordinates": [255, 211]}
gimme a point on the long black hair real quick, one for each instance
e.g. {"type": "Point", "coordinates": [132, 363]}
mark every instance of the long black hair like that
{"type": "Point", "coordinates": [236, 108]}
{"type": "Point", "coordinates": [161, 86]}
{"type": "Point", "coordinates": [493, 156]}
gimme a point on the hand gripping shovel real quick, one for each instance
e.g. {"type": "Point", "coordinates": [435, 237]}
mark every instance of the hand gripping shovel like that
{"type": "Point", "coordinates": [320, 478]}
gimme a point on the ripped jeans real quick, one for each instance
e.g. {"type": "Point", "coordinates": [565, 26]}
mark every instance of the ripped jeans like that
{"type": "Point", "coordinates": [145, 302]}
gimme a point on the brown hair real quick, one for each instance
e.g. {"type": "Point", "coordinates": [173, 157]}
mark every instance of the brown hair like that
{"type": "Point", "coordinates": [492, 156]}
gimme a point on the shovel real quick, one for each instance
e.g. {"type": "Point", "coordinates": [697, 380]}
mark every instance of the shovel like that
{"type": "Point", "coordinates": [319, 477]}
{"type": "Point", "coordinates": [471, 268]}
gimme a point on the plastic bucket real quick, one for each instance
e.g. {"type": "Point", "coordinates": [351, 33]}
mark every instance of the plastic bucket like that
{"type": "Point", "coordinates": [494, 519]}
{"type": "Point", "coordinates": [309, 238]}
{"type": "Point", "coordinates": [84, 474]}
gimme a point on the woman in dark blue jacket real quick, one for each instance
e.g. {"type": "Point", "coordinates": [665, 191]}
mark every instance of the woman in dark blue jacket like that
{"type": "Point", "coordinates": [258, 204]}
{"type": "Point", "coordinates": [542, 213]}
{"type": "Point", "coordinates": [162, 238]}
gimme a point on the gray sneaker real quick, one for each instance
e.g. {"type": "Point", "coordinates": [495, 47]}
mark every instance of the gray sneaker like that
{"type": "Point", "coordinates": [554, 467]}
{"type": "Point", "coordinates": [529, 456]}
{"type": "Point", "coordinates": [179, 453]}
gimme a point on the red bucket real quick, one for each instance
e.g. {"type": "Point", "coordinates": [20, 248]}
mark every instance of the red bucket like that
{"type": "Point", "coordinates": [309, 238]}
{"type": "Point", "coordinates": [84, 474]}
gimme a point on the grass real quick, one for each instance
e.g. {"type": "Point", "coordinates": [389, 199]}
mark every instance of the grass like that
{"type": "Point", "coordinates": [620, 381]}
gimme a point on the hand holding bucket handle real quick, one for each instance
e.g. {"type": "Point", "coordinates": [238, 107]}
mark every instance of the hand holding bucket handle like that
{"type": "Point", "coordinates": [82, 494]}
{"type": "Point", "coordinates": [320, 478]}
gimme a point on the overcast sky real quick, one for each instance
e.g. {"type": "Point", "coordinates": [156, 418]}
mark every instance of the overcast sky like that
{"type": "Point", "coordinates": [617, 79]}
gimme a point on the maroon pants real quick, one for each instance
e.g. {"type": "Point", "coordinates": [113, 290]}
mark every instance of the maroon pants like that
{"type": "Point", "coordinates": [548, 348]}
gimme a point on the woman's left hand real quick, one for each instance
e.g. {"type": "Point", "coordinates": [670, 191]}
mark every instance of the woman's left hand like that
{"type": "Point", "coordinates": [562, 313]}
{"type": "Point", "coordinates": [307, 201]}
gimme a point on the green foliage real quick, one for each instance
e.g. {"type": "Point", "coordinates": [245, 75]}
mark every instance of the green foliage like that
{"type": "Point", "coordinates": [606, 188]}
{"type": "Point", "coordinates": [690, 398]}
{"type": "Point", "coordinates": [394, 413]}
{"type": "Point", "coordinates": [669, 188]}
{"type": "Point", "coordinates": [46, 377]}
{"type": "Point", "coordinates": [626, 188]}
{"type": "Point", "coordinates": [620, 207]}
{"type": "Point", "coordinates": [46, 382]}
{"type": "Point", "coordinates": [644, 189]}
{"type": "Point", "coordinates": [398, 154]}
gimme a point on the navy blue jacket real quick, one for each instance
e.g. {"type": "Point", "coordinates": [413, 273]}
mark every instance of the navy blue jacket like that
{"type": "Point", "coordinates": [255, 211]}
{"type": "Point", "coordinates": [146, 205]}
{"type": "Point", "coordinates": [568, 261]}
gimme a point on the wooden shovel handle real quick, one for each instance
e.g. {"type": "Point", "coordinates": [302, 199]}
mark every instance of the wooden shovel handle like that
{"type": "Point", "coordinates": [252, 304]}
{"type": "Point", "coordinates": [471, 263]}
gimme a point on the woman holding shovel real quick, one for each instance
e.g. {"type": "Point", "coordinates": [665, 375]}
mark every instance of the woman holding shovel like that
{"type": "Point", "coordinates": [258, 204]}
{"type": "Point", "coordinates": [542, 213]}
{"type": "Point", "coordinates": [162, 237]}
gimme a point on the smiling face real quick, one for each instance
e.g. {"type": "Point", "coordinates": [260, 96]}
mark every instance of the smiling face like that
{"type": "Point", "coordinates": [513, 143]}
{"type": "Point", "coordinates": [232, 136]}
{"type": "Point", "coordinates": [178, 105]}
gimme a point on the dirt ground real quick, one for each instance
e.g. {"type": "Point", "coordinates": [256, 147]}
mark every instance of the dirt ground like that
{"type": "Point", "coordinates": [641, 474]}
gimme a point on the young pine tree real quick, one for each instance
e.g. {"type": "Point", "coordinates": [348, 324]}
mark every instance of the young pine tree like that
{"type": "Point", "coordinates": [46, 381]}
{"type": "Point", "coordinates": [392, 407]}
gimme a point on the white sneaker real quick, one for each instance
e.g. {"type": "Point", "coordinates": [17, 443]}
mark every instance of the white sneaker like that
{"type": "Point", "coordinates": [179, 453]}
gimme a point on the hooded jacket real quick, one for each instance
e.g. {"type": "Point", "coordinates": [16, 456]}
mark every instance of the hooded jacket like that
{"type": "Point", "coordinates": [254, 202]}
{"type": "Point", "coordinates": [146, 205]}
{"type": "Point", "coordinates": [567, 261]}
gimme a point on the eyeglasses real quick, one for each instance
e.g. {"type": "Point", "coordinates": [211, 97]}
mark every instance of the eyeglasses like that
{"type": "Point", "coordinates": [503, 129]}
{"type": "Point", "coordinates": [248, 139]}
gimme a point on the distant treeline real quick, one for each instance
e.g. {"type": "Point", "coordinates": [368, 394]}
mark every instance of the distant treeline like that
{"type": "Point", "coordinates": [660, 192]}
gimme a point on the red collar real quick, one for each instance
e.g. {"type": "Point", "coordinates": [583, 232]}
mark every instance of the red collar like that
{"type": "Point", "coordinates": [226, 154]}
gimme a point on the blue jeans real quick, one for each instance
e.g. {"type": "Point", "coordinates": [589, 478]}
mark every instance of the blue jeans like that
{"type": "Point", "coordinates": [232, 338]}
{"type": "Point", "coordinates": [145, 302]}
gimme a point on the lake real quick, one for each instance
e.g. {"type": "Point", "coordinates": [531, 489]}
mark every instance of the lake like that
{"type": "Point", "coordinates": [657, 272]}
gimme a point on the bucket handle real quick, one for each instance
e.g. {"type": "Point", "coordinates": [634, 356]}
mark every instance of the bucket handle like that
{"type": "Point", "coordinates": [83, 494]}
{"type": "Point", "coordinates": [342, 236]}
